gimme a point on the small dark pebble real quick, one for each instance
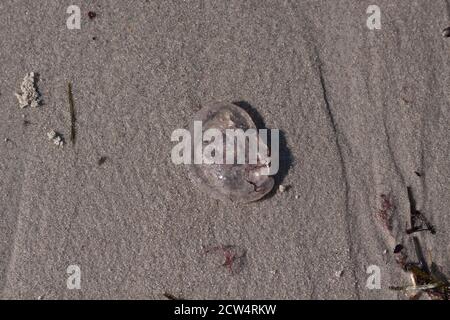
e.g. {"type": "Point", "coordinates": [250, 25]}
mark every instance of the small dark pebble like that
{"type": "Point", "coordinates": [418, 173]}
{"type": "Point", "coordinates": [398, 248]}
{"type": "Point", "coordinates": [446, 32]}
{"type": "Point", "coordinates": [92, 14]}
{"type": "Point", "coordinates": [432, 229]}
{"type": "Point", "coordinates": [94, 38]}
{"type": "Point", "coordinates": [102, 160]}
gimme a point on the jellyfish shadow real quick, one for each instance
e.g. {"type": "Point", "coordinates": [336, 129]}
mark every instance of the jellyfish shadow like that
{"type": "Point", "coordinates": [285, 155]}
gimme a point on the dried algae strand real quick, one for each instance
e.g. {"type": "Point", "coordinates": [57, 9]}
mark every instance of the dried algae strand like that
{"type": "Point", "coordinates": [72, 113]}
{"type": "Point", "coordinates": [30, 95]}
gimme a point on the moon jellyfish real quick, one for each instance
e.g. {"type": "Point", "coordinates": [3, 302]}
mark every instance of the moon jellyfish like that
{"type": "Point", "coordinates": [246, 181]}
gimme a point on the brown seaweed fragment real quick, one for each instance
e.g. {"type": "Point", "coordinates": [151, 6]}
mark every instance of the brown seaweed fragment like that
{"type": "Point", "coordinates": [418, 221]}
{"type": "Point", "coordinates": [425, 276]}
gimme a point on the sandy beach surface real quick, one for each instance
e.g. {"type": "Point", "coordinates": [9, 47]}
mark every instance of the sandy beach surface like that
{"type": "Point", "coordinates": [363, 113]}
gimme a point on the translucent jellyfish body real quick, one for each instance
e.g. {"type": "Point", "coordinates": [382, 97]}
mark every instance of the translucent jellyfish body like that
{"type": "Point", "coordinates": [237, 182]}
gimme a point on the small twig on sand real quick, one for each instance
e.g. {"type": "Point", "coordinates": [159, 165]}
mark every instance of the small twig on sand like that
{"type": "Point", "coordinates": [171, 296]}
{"type": "Point", "coordinates": [415, 288]}
{"type": "Point", "coordinates": [72, 113]}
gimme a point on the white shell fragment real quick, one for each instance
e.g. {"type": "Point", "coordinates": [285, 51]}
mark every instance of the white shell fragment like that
{"type": "Point", "coordinates": [56, 138]}
{"type": "Point", "coordinates": [30, 95]}
{"type": "Point", "coordinates": [51, 135]}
